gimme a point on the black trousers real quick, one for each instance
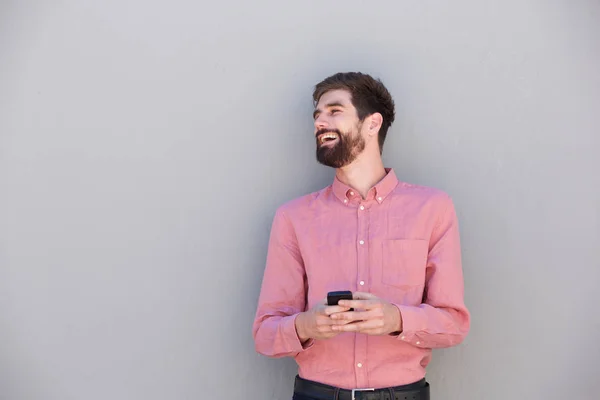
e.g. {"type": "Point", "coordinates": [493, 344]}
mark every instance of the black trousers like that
{"type": "Point", "coordinates": [310, 390]}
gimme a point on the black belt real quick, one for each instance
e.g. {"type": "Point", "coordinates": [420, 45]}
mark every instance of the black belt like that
{"type": "Point", "coordinates": [414, 391]}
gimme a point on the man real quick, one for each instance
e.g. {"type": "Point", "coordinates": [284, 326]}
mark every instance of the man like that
{"type": "Point", "coordinates": [394, 245]}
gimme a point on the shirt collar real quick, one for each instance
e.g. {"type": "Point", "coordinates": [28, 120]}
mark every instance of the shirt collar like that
{"type": "Point", "coordinates": [379, 192]}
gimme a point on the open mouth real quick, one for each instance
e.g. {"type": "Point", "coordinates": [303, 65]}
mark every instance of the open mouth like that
{"type": "Point", "coordinates": [328, 139]}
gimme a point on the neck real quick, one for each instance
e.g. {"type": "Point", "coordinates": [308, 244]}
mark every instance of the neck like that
{"type": "Point", "coordinates": [362, 174]}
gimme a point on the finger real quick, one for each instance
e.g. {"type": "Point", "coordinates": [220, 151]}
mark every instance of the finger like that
{"type": "Point", "coordinates": [359, 304]}
{"type": "Point", "coordinates": [357, 326]}
{"type": "Point", "coordinates": [329, 310]}
{"type": "Point", "coordinates": [343, 322]}
{"type": "Point", "coordinates": [363, 296]}
{"type": "Point", "coordinates": [352, 316]}
{"type": "Point", "coordinates": [325, 324]}
{"type": "Point", "coordinates": [324, 327]}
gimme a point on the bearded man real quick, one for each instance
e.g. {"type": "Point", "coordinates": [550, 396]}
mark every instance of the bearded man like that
{"type": "Point", "coordinates": [394, 245]}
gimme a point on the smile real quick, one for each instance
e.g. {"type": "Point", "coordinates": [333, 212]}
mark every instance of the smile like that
{"type": "Point", "coordinates": [327, 137]}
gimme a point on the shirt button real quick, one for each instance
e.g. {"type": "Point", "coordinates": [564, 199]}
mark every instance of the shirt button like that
{"type": "Point", "coordinates": [362, 242]}
{"type": "Point", "coordinates": [345, 200]}
{"type": "Point", "coordinates": [379, 198]}
{"type": "Point", "coordinates": [362, 283]}
{"type": "Point", "coordinates": [351, 193]}
{"type": "Point", "coordinates": [359, 365]}
{"type": "Point", "coordinates": [362, 207]}
{"type": "Point", "coordinates": [418, 342]}
{"type": "Point", "coordinates": [403, 338]}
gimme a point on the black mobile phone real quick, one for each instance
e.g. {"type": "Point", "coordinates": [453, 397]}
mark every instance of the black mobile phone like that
{"type": "Point", "coordinates": [334, 297]}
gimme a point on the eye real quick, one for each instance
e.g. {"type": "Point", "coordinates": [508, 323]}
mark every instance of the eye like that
{"type": "Point", "coordinates": [335, 111]}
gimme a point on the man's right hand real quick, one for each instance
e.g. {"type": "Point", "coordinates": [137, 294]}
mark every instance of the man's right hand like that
{"type": "Point", "coordinates": [316, 323]}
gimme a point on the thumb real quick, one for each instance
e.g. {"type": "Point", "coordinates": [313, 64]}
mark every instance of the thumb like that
{"type": "Point", "coordinates": [363, 296]}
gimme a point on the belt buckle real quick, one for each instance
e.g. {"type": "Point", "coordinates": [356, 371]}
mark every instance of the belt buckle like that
{"type": "Point", "coordinates": [361, 390]}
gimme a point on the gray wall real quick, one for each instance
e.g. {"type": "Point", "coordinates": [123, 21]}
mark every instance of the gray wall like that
{"type": "Point", "coordinates": [145, 147]}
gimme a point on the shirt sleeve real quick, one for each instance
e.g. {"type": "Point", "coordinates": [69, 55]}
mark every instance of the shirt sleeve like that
{"type": "Point", "coordinates": [283, 294]}
{"type": "Point", "coordinates": [442, 320]}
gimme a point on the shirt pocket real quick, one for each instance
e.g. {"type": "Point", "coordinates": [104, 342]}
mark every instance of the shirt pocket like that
{"type": "Point", "coordinates": [404, 262]}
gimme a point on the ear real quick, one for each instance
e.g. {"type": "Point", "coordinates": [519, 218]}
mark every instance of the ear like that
{"type": "Point", "coordinates": [374, 123]}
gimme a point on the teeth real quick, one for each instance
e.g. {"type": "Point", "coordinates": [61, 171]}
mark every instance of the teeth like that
{"type": "Point", "coordinates": [328, 136]}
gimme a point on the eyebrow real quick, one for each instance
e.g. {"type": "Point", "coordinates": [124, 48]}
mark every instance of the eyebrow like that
{"type": "Point", "coordinates": [328, 105]}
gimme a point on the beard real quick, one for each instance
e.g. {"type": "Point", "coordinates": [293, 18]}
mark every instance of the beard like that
{"type": "Point", "coordinates": [349, 145]}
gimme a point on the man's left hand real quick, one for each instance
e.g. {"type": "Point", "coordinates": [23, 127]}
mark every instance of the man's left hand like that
{"type": "Point", "coordinates": [372, 316]}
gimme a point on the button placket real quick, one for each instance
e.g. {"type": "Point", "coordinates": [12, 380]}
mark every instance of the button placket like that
{"type": "Point", "coordinates": [362, 275]}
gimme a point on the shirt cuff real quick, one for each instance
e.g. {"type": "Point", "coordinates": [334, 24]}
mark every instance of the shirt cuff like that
{"type": "Point", "coordinates": [289, 329]}
{"type": "Point", "coordinates": [413, 321]}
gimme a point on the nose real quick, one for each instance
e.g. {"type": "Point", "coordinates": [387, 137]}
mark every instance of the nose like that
{"type": "Point", "coordinates": [321, 122]}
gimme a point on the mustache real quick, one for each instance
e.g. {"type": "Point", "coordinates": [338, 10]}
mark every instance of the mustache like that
{"type": "Point", "coordinates": [322, 131]}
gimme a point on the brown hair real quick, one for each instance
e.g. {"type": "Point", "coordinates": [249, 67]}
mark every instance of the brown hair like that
{"type": "Point", "coordinates": [368, 96]}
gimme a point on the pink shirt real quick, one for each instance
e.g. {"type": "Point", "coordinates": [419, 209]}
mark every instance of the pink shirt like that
{"type": "Point", "coordinates": [401, 244]}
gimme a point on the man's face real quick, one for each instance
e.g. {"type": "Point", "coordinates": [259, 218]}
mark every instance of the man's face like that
{"type": "Point", "coordinates": [337, 129]}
